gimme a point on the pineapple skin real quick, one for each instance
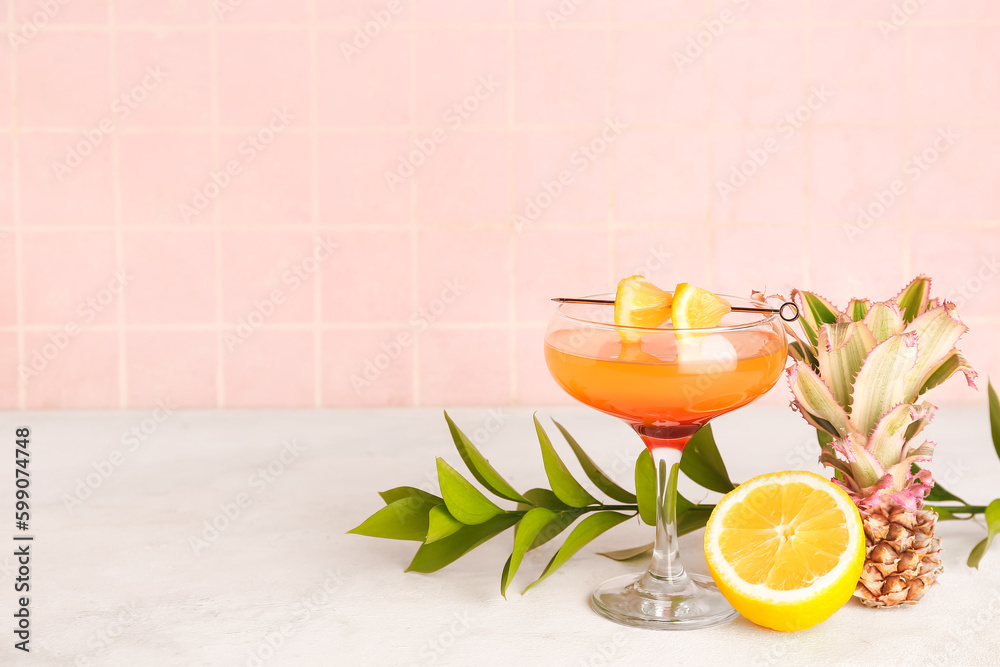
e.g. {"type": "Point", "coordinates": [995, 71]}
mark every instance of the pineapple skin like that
{"type": "Point", "coordinates": [903, 556]}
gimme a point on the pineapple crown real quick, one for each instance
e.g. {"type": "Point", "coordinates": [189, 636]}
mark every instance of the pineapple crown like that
{"type": "Point", "coordinates": [857, 377]}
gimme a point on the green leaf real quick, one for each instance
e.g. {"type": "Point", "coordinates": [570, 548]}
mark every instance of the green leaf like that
{"type": "Point", "coordinates": [402, 519]}
{"type": "Point", "coordinates": [558, 524]}
{"type": "Point", "coordinates": [542, 498]}
{"type": "Point", "coordinates": [645, 487]}
{"type": "Point", "coordinates": [628, 554]}
{"type": "Point", "coordinates": [992, 516]}
{"type": "Point", "coordinates": [596, 475]}
{"type": "Point", "coordinates": [465, 502]}
{"type": "Point", "coordinates": [994, 417]}
{"type": "Point", "coordinates": [944, 513]}
{"type": "Point", "coordinates": [564, 517]}
{"type": "Point", "coordinates": [441, 524]}
{"type": "Point", "coordinates": [395, 494]}
{"type": "Point", "coordinates": [693, 519]}
{"type": "Point", "coordinates": [436, 555]}
{"type": "Point", "coordinates": [480, 468]}
{"type": "Point", "coordinates": [524, 536]}
{"type": "Point", "coordinates": [702, 463]}
{"type": "Point", "coordinates": [563, 485]}
{"type": "Point", "coordinates": [913, 299]}
{"type": "Point", "coordinates": [586, 531]}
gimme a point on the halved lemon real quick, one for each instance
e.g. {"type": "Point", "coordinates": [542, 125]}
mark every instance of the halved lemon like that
{"type": "Point", "coordinates": [640, 303]}
{"type": "Point", "coordinates": [697, 308]}
{"type": "Point", "coordinates": [786, 549]}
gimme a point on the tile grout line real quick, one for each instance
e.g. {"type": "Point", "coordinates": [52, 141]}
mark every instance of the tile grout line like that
{"type": "Point", "coordinates": [337, 326]}
{"type": "Point", "coordinates": [710, 228]}
{"type": "Point", "coordinates": [581, 26]}
{"type": "Point", "coordinates": [414, 234]}
{"type": "Point", "coordinates": [490, 128]}
{"type": "Point", "coordinates": [804, 245]}
{"type": "Point", "coordinates": [512, 231]}
{"type": "Point", "coordinates": [609, 163]}
{"type": "Point", "coordinates": [220, 351]}
{"type": "Point", "coordinates": [675, 225]}
{"type": "Point", "coordinates": [22, 381]}
{"type": "Point", "coordinates": [119, 222]}
{"type": "Point", "coordinates": [907, 264]}
{"type": "Point", "coordinates": [314, 155]}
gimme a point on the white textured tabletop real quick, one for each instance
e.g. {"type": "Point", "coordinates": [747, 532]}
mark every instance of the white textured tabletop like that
{"type": "Point", "coordinates": [128, 570]}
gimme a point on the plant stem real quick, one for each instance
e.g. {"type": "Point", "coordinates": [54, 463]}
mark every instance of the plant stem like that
{"type": "Point", "coordinates": [960, 509]}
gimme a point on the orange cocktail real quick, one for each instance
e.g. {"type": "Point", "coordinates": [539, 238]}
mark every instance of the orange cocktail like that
{"type": "Point", "coordinates": [665, 383]}
{"type": "Point", "coordinates": [665, 387]}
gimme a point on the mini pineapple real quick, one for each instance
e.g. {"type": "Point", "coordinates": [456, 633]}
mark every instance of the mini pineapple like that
{"type": "Point", "coordinates": [858, 379]}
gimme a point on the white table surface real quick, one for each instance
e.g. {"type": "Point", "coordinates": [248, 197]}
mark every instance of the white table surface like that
{"type": "Point", "coordinates": [116, 581]}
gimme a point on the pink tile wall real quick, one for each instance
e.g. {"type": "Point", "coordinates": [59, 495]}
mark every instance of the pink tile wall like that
{"type": "Point", "coordinates": [268, 207]}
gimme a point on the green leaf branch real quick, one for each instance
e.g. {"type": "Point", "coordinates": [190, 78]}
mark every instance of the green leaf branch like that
{"type": "Point", "coordinates": [463, 516]}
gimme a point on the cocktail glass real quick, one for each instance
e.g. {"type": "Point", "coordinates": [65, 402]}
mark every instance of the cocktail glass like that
{"type": "Point", "coordinates": [665, 383]}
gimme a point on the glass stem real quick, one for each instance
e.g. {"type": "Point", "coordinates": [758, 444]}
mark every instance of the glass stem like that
{"type": "Point", "coordinates": [666, 572]}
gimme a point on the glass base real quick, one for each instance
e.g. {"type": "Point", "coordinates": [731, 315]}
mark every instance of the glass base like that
{"type": "Point", "coordinates": [638, 600]}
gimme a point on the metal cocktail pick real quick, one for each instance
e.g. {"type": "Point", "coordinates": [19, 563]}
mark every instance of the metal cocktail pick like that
{"type": "Point", "coordinates": [787, 311]}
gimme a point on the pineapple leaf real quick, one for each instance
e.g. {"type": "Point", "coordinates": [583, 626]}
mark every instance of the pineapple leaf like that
{"type": "Point", "coordinates": [858, 308]}
{"type": "Point", "coordinates": [842, 350]}
{"type": "Point", "coordinates": [923, 419]}
{"type": "Point", "coordinates": [992, 516]}
{"type": "Point", "coordinates": [814, 311]}
{"type": "Point", "coordinates": [938, 494]}
{"type": "Point", "coordinates": [880, 382]}
{"type": "Point", "coordinates": [888, 440]}
{"type": "Point", "coordinates": [828, 458]}
{"type": "Point", "coordinates": [913, 299]}
{"type": "Point", "coordinates": [955, 361]}
{"type": "Point", "coordinates": [994, 417]}
{"type": "Point", "coordinates": [937, 333]}
{"type": "Point", "coordinates": [823, 312]}
{"type": "Point", "coordinates": [866, 470]}
{"type": "Point", "coordinates": [884, 320]}
{"type": "Point", "coordinates": [816, 402]}
{"type": "Point", "coordinates": [800, 352]}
